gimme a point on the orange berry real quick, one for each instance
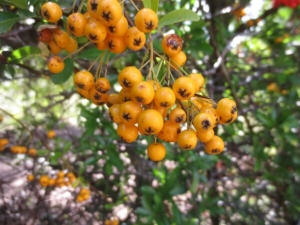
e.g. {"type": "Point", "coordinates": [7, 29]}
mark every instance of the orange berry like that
{"type": "Point", "coordinates": [51, 134]}
{"type": "Point", "coordinates": [55, 64]}
{"type": "Point", "coordinates": [129, 76]}
{"type": "Point", "coordinates": [187, 139]}
{"type": "Point", "coordinates": [119, 29]}
{"type": "Point", "coordinates": [142, 92]}
{"type": "Point", "coordinates": [150, 122]}
{"type": "Point", "coordinates": [84, 80]}
{"type": "Point", "coordinates": [184, 88]}
{"type": "Point", "coordinates": [51, 12]}
{"type": "Point", "coordinates": [146, 20]}
{"type": "Point", "coordinates": [76, 24]}
{"type": "Point", "coordinates": [134, 39]}
{"type": "Point", "coordinates": [178, 60]}
{"type": "Point", "coordinates": [156, 151]}
{"type": "Point", "coordinates": [109, 11]}
{"type": "Point", "coordinates": [214, 145]}
{"type": "Point", "coordinates": [171, 44]}
{"type": "Point", "coordinates": [127, 132]}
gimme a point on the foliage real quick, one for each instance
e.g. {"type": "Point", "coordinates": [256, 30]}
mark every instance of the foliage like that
{"type": "Point", "coordinates": [253, 59]}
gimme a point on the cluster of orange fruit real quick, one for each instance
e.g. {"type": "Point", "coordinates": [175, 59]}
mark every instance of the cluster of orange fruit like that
{"type": "Point", "coordinates": [172, 109]}
{"type": "Point", "coordinates": [16, 149]}
{"type": "Point", "coordinates": [112, 221]}
{"type": "Point", "coordinates": [60, 179]}
{"type": "Point", "coordinates": [83, 195]}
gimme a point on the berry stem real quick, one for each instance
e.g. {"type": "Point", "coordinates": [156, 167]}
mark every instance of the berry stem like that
{"type": "Point", "coordinates": [134, 5]}
{"type": "Point", "coordinates": [151, 56]}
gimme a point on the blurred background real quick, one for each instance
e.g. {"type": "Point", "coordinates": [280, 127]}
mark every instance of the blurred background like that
{"type": "Point", "coordinates": [246, 50]}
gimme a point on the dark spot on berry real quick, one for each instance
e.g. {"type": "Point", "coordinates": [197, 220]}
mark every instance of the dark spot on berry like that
{"type": "Point", "coordinates": [164, 104]}
{"type": "Point", "coordinates": [111, 29]}
{"type": "Point", "coordinates": [106, 16]}
{"type": "Point", "coordinates": [46, 14]}
{"type": "Point", "coordinates": [111, 45]}
{"type": "Point", "coordinates": [94, 5]}
{"type": "Point", "coordinates": [233, 110]}
{"type": "Point", "coordinates": [150, 25]}
{"type": "Point", "coordinates": [79, 85]}
{"type": "Point", "coordinates": [139, 99]}
{"type": "Point", "coordinates": [126, 116]}
{"type": "Point", "coordinates": [205, 124]}
{"type": "Point", "coordinates": [93, 37]}
{"type": "Point", "coordinates": [137, 42]}
{"type": "Point", "coordinates": [149, 130]}
{"type": "Point", "coordinates": [126, 83]}
{"type": "Point", "coordinates": [179, 119]}
{"type": "Point", "coordinates": [183, 93]}
{"type": "Point", "coordinates": [215, 151]}
{"type": "Point", "coordinates": [187, 146]}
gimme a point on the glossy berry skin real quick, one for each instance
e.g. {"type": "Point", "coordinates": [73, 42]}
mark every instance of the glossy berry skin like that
{"type": "Point", "coordinates": [119, 29]}
{"type": "Point", "coordinates": [51, 12]}
{"type": "Point", "coordinates": [156, 151]}
{"type": "Point", "coordinates": [142, 92]}
{"type": "Point", "coordinates": [184, 88]}
{"type": "Point", "coordinates": [72, 46]}
{"type": "Point", "coordinates": [150, 122]}
{"type": "Point", "coordinates": [134, 39]}
{"type": "Point", "coordinates": [146, 20]}
{"type": "Point", "coordinates": [55, 64]}
{"type": "Point", "coordinates": [114, 113]}
{"type": "Point", "coordinates": [226, 110]}
{"type": "Point", "coordinates": [61, 38]}
{"type": "Point", "coordinates": [164, 97]}
{"type": "Point", "coordinates": [187, 139]}
{"type": "Point", "coordinates": [130, 111]}
{"type": "Point", "coordinates": [76, 24]}
{"type": "Point", "coordinates": [95, 31]}
{"type": "Point", "coordinates": [169, 132]}
{"type": "Point", "coordinates": [109, 11]}
{"type": "Point", "coordinates": [53, 47]}
{"type": "Point", "coordinates": [198, 80]}
{"type": "Point", "coordinates": [92, 6]}
{"type": "Point", "coordinates": [127, 132]}
{"type": "Point", "coordinates": [102, 85]}
{"type": "Point", "coordinates": [84, 80]}
{"type": "Point", "coordinates": [214, 146]}
{"type": "Point", "coordinates": [112, 99]}
{"type": "Point", "coordinates": [203, 122]}
{"type": "Point", "coordinates": [115, 44]}
{"type": "Point", "coordinates": [129, 76]}
{"type": "Point", "coordinates": [178, 60]}
{"type": "Point", "coordinates": [171, 44]}
{"type": "Point", "coordinates": [205, 136]}
{"type": "Point", "coordinates": [177, 115]}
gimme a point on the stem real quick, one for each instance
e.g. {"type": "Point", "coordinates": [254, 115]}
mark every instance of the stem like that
{"type": "Point", "coordinates": [151, 56]}
{"type": "Point", "coordinates": [134, 5]}
{"type": "Point", "coordinates": [93, 63]}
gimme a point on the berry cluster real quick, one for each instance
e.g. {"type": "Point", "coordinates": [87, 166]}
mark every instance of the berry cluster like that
{"type": "Point", "coordinates": [60, 179]}
{"type": "Point", "coordinates": [172, 108]}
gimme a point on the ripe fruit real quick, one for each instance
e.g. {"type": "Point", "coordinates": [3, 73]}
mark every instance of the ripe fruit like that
{"type": "Point", "coordinates": [97, 97]}
{"type": "Point", "coordinates": [127, 132]}
{"type": "Point", "coordinates": [198, 80]}
{"type": "Point", "coordinates": [124, 95]}
{"type": "Point", "coordinates": [51, 134]}
{"type": "Point", "coordinates": [142, 92]}
{"type": "Point", "coordinates": [51, 12]}
{"type": "Point", "coordinates": [150, 122]}
{"type": "Point", "coordinates": [115, 44]}
{"type": "Point", "coordinates": [92, 8]}
{"type": "Point", "coordinates": [156, 151]}
{"type": "Point", "coordinates": [203, 122]}
{"type": "Point", "coordinates": [205, 136]}
{"type": "Point", "coordinates": [102, 85]}
{"type": "Point", "coordinates": [53, 47]}
{"type": "Point", "coordinates": [114, 113]}
{"type": "Point", "coordinates": [134, 39]}
{"type": "Point", "coordinates": [177, 115]}
{"type": "Point", "coordinates": [226, 110]}
{"type": "Point", "coordinates": [178, 60]}
{"type": "Point", "coordinates": [164, 97]}
{"type": "Point", "coordinates": [109, 11]}
{"type": "Point", "coordinates": [184, 88]}
{"type": "Point", "coordinates": [171, 44]}
{"type": "Point", "coordinates": [83, 93]}
{"type": "Point", "coordinates": [187, 139]}
{"type": "Point", "coordinates": [119, 29]}
{"type": "Point", "coordinates": [130, 111]}
{"type": "Point", "coordinates": [129, 76]}
{"type": "Point", "coordinates": [61, 38]}
{"type": "Point", "coordinates": [84, 80]}
{"type": "Point", "coordinates": [112, 99]}
{"type": "Point", "coordinates": [146, 20]}
{"type": "Point", "coordinates": [32, 152]}
{"type": "Point", "coordinates": [45, 35]}
{"type": "Point", "coordinates": [72, 46]}
{"type": "Point", "coordinates": [44, 180]}
{"type": "Point", "coordinates": [55, 64]}
{"type": "Point", "coordinates": [169, 132]}
{"type": "Point", "coordinates": [3, 141]}
{"type": "Point", "coordinates": [95, 31]}
{"type": "Point", "coordinates": [214, 146]}
{"type": "Point", "coordinates": [76, 24]}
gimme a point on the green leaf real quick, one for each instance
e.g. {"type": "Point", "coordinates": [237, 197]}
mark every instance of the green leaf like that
{"type": "Point", "coordinates": [90, 54]}
{"type": "Point", "coordinates": [151, 4]}
{"type": "Point", "coordinates": [148, 190]}
{"type": "Point", "coordinates": [142, 211]}
{"type": "Point", "coordinates": [265, 120]}
{"type": "Point", "coordinates": [22, 53]}
{"type": "Point", "coordinates": [177, 16]}
{"type": "Point", "coordinates": [63, 76]}
{"type": "Point", "coordinates": [22, 4]}
{"type": "Point", "coordinates": [7, 20]}
{"type": "Point", "coordinates": [24, 13]}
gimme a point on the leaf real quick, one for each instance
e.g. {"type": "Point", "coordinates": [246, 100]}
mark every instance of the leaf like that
{"type": "Point", "coordinates": [151, 4]}
{"type": "Point", "coordinates": [90, 54]}
{"type": "Point", "coordinates": [176, 16]}
{"type": "Point", "coordinates": [24, 13]}
{"type": "Point", "coordinates": [22, 53]}
{"type": "Point", "coordinates": [265, 120]}
{"type": "Point", "coordinates": [63, 76]}
{"type": "Point", "coordinates": [7, 20]}
{"type": "Point", "coordinates": [142, 211]}
{"type": "Point", "coordinates": [148, 189]}
{"type": "Point", "coordinates": [22, 4]}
